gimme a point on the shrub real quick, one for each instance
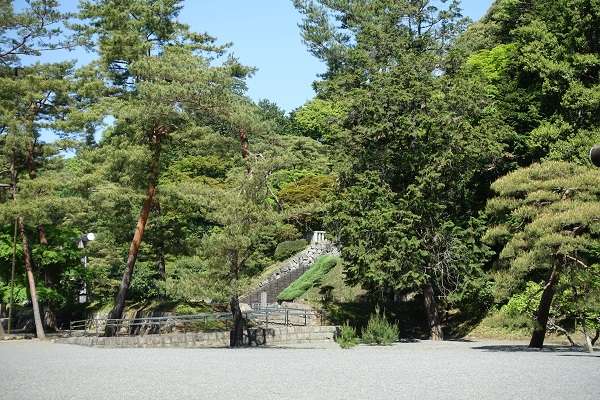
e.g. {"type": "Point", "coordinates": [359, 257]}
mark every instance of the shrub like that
{"type": "Point", "coordinates": [524, 303]}
{"type": "Point", "coordinates": [309, 279]}
{"type": "Point", "coordinates": [287, 249]}
{"type": "Point", "coordinates": [380, 331]}
{"type": "Point", "coordinates": [347, 337]}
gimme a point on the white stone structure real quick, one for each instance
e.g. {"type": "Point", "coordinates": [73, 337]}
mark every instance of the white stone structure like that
{"type": "Point", "coordinates": [318, 238]}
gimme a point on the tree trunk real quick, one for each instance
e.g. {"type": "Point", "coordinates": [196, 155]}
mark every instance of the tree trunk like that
{"type": "Point", "coordinates": [596, 336]}
{"type": "Point", "coordinates": [117, 311]}
{"type": "Point", "coordinates": [543, 311]}
{"type": "Point", "coordinates": [39, 329]}
{"type": "Point", "coordinates": [433, 316]}
{"type": "Point", "coordinates": [236, 336]}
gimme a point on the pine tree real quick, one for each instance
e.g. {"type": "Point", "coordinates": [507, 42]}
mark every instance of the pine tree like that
{"type": "Point", "coordinates": [545, 222]}
{"type": "Point", "coordinates": [31, 96]}
{"type": "Point", "coordinates": [155, 64]}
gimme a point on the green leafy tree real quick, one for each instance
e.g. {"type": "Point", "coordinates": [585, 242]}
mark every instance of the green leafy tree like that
{"type": "Point", "coordinates": [416, 150]}
{"type": "Point", "coordinates": [541, 60]}
{"type": "Point", "coordinates": [545, 222]}
{"type": "Point", "coordinates": [243, 215]}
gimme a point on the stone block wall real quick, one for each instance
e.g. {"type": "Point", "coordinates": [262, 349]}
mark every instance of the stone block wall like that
{"type": "Point", "coordinates": [255, 337]}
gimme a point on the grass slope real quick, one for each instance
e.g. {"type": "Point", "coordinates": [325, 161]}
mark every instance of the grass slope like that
{"type": "Point", "coordinates": [309, 279]}
{"type": "Point", "coordinates": [334, 287]}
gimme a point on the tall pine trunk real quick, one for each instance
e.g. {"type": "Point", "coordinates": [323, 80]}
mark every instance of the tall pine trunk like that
{"type": "Point", "coordinates": [543, 311]}
{"type": "Point", "coordinates": [236, 335]}
{"type": "Point", "coordinates": [117, 311]}
{"type": "Point", "coordinates": [433, 315]}
{"type": "Point", "coordinates": [39, 328]}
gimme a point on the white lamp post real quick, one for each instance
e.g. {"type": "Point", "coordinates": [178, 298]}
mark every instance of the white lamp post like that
{"type": "Point", "coordinates": [82, 241]}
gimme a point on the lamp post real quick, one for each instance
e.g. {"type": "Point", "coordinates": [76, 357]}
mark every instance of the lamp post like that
{"type": "Point", "coordinates": [81, 242]}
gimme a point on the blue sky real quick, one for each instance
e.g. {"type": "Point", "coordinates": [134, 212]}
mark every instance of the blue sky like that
{"type": "Point", "coordinates": [265, 35]}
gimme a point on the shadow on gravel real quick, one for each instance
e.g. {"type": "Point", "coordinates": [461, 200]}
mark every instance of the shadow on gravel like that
{"type": "Point", "coordinates": [525, 348]}
{"type": "Point", "coordinates": [580, 355]}
{"type": "Point", "coordinates": [409, 340]}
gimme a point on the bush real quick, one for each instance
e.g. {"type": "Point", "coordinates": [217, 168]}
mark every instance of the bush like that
{"type": "Point", "coordinates": [380, 331]}
{"type": "Point", "coordinates": [347, 337]}
{"type": "Point", "coordinates": [524, 303]}
{"type": "Point", "coordinates": [287, 249]}
{"type": "Point", "coordinates": [309, 279]}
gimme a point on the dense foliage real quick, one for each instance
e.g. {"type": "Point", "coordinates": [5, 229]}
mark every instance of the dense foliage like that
{"type": "Point", "coordinates": [448, 159]}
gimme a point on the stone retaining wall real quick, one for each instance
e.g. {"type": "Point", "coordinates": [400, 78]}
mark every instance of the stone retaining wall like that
{"type": "Point", "coordinates": [254, 337]}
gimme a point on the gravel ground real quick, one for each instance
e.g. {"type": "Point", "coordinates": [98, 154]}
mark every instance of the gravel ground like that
{"type": "Point", "coordinates": [423, 370]}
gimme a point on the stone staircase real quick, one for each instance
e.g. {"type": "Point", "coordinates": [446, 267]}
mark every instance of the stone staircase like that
{"type": "Point", "coordinates": [290, 270]}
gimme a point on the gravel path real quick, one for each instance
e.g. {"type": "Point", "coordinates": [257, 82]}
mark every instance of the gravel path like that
{"type": "Point", "coordinates": [424, 370]}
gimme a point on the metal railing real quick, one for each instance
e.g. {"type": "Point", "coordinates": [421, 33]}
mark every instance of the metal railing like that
{"type": "Point", "coordinates": [150, 325]}
{"type": "Point", "coordinates": [264, 316]}
{"type": "Point", "coordinates": [276, 315]}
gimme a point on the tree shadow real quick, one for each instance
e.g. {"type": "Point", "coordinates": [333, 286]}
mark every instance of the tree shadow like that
{"type": "Point", "coordinates": [461, 340]}
{"type": "Point", "coordinates": [597, 355]}
{"type": "Point", "coordinates": [523, 348]}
